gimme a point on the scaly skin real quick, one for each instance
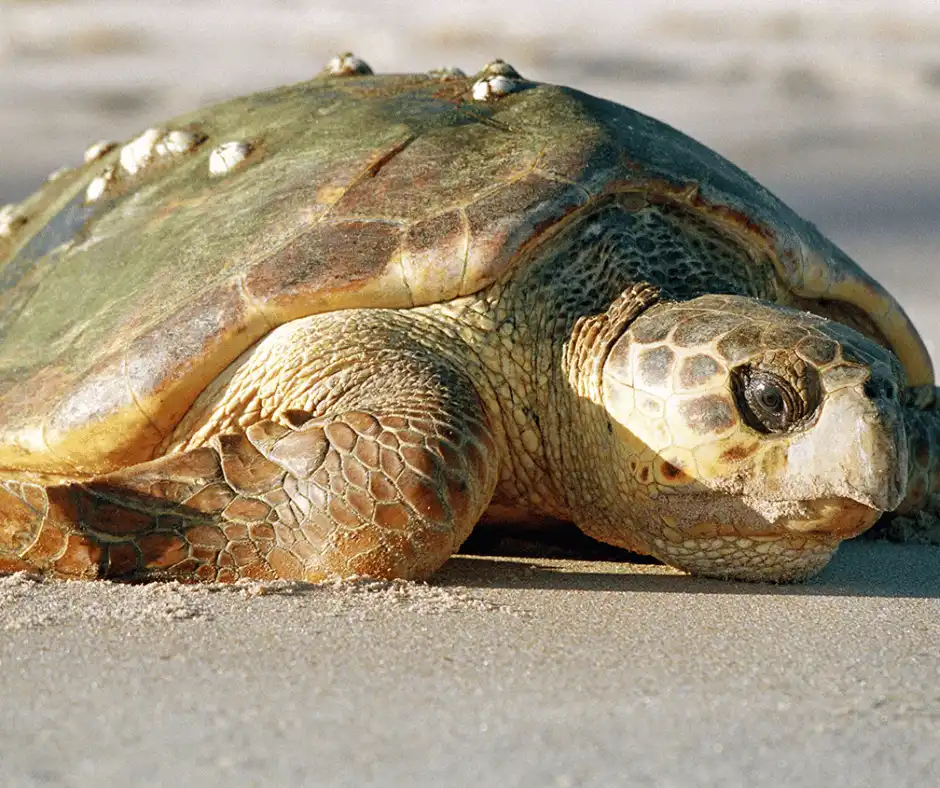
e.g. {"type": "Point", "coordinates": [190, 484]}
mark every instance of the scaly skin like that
{"type": "Point", "coordinates": [388, 483]}
{"type": "Point", "coordinates": [371, 441]}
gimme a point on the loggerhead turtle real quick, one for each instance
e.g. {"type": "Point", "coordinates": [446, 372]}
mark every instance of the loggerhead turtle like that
{"type": "Point", "coordinates": [320, 331]}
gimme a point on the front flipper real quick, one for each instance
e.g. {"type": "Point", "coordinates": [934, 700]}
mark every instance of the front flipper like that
{"type": "Point", "coordinates": [383, 494]}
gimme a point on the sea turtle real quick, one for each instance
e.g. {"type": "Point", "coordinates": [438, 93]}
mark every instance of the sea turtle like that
{"type": "Point", "coordinates": [321, 331]}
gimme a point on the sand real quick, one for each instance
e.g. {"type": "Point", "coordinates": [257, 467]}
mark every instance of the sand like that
{"type": "Point", "coordinates": [509, 672]}
{"type": "Point", "coordinates": [505, 671]}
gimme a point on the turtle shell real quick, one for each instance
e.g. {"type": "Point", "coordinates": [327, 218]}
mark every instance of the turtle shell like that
{"type": "Point", "coordinates": [131, 282]}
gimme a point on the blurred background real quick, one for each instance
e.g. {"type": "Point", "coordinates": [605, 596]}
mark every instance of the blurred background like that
{"type": "Point", "coordinates": [834, 105]}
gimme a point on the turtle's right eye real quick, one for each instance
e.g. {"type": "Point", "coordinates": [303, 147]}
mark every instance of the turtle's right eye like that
{"type": "Point", "coordinates": [768, 402]}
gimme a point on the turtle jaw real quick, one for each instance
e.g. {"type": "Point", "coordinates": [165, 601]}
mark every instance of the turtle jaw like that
{"type": "Point", "coordinates": [734, 537]}
{"type": "Point", "coordinates": [756, 541]}
{"type": "Point", "coordinates": [822, 519]}
{"type": "Point", "coordinates": [754, 560]}
{"type": "Point", "coordinates": [832, 518]}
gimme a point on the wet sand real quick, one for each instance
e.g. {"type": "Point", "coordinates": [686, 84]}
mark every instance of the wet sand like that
{"type": "Point", "coordinates": [508, 671]}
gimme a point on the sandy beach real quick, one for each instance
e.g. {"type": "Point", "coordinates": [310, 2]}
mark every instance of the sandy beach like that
{"type": "Point", "coordinates": [535, 670]}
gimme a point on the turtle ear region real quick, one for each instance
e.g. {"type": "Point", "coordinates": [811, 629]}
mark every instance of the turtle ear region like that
{"type": "Point", "coordinates": [594, 340]}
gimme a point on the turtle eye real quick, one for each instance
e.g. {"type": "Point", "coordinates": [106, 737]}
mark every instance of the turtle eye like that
{"type": "Point", "coordinates": [768, 402]}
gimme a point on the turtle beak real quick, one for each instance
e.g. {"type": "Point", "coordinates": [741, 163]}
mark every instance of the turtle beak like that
{"type": "Point", "coordinates": [857, 450]}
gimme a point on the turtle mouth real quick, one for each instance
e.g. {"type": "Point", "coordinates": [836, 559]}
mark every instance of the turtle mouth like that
{"type": "Point", "coordinates": [842, 518]}
{"type": "Point", "coordinates": [824, 520]}
{"type": "Point", "coordinates": [770, 541]}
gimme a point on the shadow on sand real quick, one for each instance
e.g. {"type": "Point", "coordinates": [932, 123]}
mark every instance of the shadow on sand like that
{"type": "Point", "coordinates": [859, 569]}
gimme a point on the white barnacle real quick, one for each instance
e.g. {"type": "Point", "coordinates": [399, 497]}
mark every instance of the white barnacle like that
{"type": "Point", "coordinates": [98, 149]}
{"type": "Point", "coordinates": [10, 219]}
{"type": "Point", "coordinates": [348, 65]}
{"type": "Point", "coordinates": [99, 185]}
{"type": "Point", "coordinates": [490, 88]}
{"type": "Point", "coordinates": [228, 156]}
{"type": "Point", "coordinates": [500, 68]}
{"type": "Point", "coordinates": [178, 142]}
{"type": "Point", "coordinates": [447, 73]}
{"type": "Point", "coordinates": [138, 153]}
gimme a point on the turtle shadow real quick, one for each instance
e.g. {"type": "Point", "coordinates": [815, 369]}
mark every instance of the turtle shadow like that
{"type": "Point", "coordinates": [859, 569]}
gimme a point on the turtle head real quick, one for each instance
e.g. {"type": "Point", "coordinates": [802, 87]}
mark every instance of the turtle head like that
{"type": "Point", "coordinates": [755, 437]}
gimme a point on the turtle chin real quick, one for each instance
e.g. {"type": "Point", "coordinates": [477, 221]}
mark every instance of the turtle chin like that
{"type": "Point", "coordinates": [759, 540]}
{"type": "Point", "coordinates": [754, 559]}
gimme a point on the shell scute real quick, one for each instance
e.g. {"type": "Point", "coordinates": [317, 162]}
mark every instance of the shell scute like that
{"type": "Point", "coordinates": [434, 255]}
{"type": "Point", "coordinates": [360, 191]}
{"type": "Point", "coordinates": [504, 222]}
{"type": "Point", "coordinates": [336, 265]}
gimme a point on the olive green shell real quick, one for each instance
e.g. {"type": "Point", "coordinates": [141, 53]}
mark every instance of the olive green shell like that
{"type": "Point", "coordinates": [123, 297]}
